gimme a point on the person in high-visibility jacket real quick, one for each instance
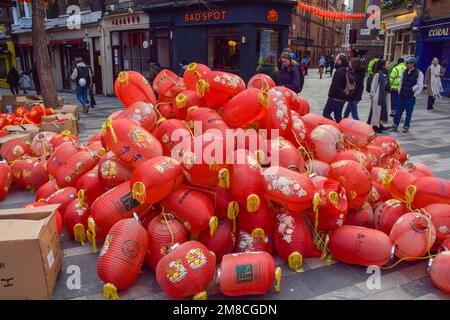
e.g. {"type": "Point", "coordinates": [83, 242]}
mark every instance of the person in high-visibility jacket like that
{"type": "Point", "coordinates": [371, 65]}
{"type": "Point", "coordinates": [394, 80]}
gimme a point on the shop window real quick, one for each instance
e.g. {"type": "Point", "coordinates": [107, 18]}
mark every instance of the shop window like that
{"type": "Point", "coordinates": [224, 49]}
{"type": "Point", "coordinates": [267, 45]}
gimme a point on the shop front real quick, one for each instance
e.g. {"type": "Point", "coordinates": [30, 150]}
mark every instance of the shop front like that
{"type": "Point", "coordinates": [433, 40]}
{"type": "Point", "coordinates": [7, 55]}
{"type": "Point", "coordinates": [225, 35]}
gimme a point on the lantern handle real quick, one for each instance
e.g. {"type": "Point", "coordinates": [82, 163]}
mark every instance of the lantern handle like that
{"type": "Point", "coordinates": [79, 233]}
{"type": "Point", "coordinates": [110, 291]}
{"type": "Point", "coordinates": [253, 202]}
{"type": "Point", "coordinates": [91, 234]}
{"type": "Point", "coordinates": [295, 261]}
{"type": "Point", "coordinates": [278, 279]}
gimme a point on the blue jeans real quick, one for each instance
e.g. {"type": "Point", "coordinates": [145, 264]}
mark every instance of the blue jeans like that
{"type": "Point", "coordinates": [352, 106]}
{"type": "Point", "coordinates": [333, 106]}
{"type": "Point", "coordinates": [404, 104]}
{"type": "Point", "coordinates": [82, 95]}
{"type": "Point", "coordinates": [394, 100]}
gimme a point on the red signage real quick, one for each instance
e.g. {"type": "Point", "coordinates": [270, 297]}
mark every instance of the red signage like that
{"type": "Point", "coordinates": [272, 15]}
{"type": "Point", "coordinates": [126, 20]}
{"type": "Point", "coordinates": [205, 16]}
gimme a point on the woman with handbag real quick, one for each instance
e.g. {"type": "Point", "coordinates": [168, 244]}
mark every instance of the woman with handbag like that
{"type": "Point", "coordinates": [379, 94]}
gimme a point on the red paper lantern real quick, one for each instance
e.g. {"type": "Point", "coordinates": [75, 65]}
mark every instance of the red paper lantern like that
{"type": "Point", "coordinates": [218, 87]}
{"type": "Point", "coordinates": [293, 239]}
{"type": "Point", "coordinates": [438, 268]}
{"type": "Point", "coordinates": [318, 167]}
{"type": "Point", "coordinates": [361, 246]}
{"type": "Point", "coordinates": [192, 208]}
{"type": "Point", "coordinates": [142, 113]}
{"type": "Point", "coordinates": [185, 100]}
{"type": "Point", "coordinates": [248, 274]}
{"type": "Point", "coordinates": [14, 149]}
{"type": "Point", "coordinates": [258, 223]}
{"type": "Point", "coordinates": [5, 179]}
{"type": "Point", "coordinates": [132, 143]}
{"type": "Point", "coordinates": [245, 242]}
{"type": "Point", "coordinates": [325, 141]}
{"type": "Point", "coordinates": [202, 120]}
{"type": "Point", "coordinates": [168, 84]}
{"type": "Point", "coordinates": [221, 242]}
{"type": "Point", "coordinates": [362, 217]}
{"type": "Point", "coordinates": [354, 155]}
{"type": "Point", "coordinates": [430, 190]}
{"type": "Point", "coordinates": [21, 173]}
{"type": "Point", "coordinates": [91, 185]}
{"type": "Point", "coordinates": [193, 73]}
{"type": "Point", "coordinates": [413, 235]}
{"type": "Point", "coordinates": [171, 133]}
{"type": "Point", "coordinates": [289, 188]}
{"type": "Point", "coordinates": [278, 115]}
{"type": "Point", "coordinates": [131, 87]}
{"type": "Point", "coordinates": [163, 232]}
{"type": "Point", "coordinates": [76, 218]}
{"type": "Point", "coordinates": [261, 81]}
{"type": "Point", "coordinates": [155, 179]}
{"type": "Point", "coordinates": [121, 257]}
{"type": "Point", "coordinates": [112, 171]}
{"type": "Point", "coordinates": [75, 167]}
{"type": "Point", "coordinates": [246, 107]}
{"type": "Point", "coordinates": [186, 271]}
{"type": "Point", "coordinates": [46, 190]}
{"type": "Point", "coordinates": [65, 136]}
{"type": "Point", "coordinates": [63, 196]}
{"type": "Point", "coordinates": [440, 217]}
{"type": "Point", "coordinates": [41, 143]}
{"type": "Point", "coordinates": [39, 174]}
{"type": "Point", "coordinates": [419, 170]}
{"type": "Point", "coordinates": [61, 154]}
{"type": "Point", "coordinates": [387, 214]}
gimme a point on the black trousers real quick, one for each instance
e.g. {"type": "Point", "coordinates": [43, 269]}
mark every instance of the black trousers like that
{"type": "Point", "coordinates": [431, 101]}
{"type": "Point", "coordinates": [14, 90]}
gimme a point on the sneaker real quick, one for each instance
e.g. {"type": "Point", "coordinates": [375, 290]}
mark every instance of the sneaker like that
{"type": "Point", "coordinates": [405, 130]}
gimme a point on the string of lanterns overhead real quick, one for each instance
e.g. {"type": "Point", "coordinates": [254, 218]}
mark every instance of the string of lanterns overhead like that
{"type": "Point", "coordinates": [328, 14]}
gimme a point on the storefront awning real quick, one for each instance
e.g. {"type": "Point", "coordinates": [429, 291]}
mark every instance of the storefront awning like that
{"type": "Point", "coordinates": [63, 42]}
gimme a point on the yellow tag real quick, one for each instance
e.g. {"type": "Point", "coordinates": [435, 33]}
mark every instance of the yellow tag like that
{"type": "Point", "coordinates": [295, 261]}
{"type": "Point", "coordinates": [110, 291]}
{"type": "Point", "coordinates": [213, 223]}
{"type": "Point", "coordinates": [253, 203]}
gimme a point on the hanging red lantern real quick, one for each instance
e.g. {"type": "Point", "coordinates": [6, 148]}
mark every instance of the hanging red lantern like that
{"type": "Point", "coordinates": [142, 113]}
{"type": "Point", "coordinates": [41, 143]}
{"type": "Point", "coordinates": [221, 242]}
{"type": "Point", "coordinates": [121, 257]}
{"type": "Point", "coordinates": [5, 179]}
{"type": "Point", "coordinates": [168, 84]}
{"type": "Point", "coordinates": [91, 185]}
{"type": "Point", "coordinates": [186, 271]}
{"type": "Point", "coordinates": [46, 190]}
{"type": "Point", "coordinates": [200, 120]}
{"type": "Point", "coordinates": [21, 173]}
{"type": "Point", "coordinates": [155, 179]}
{"type": "Point", "coordinates": [439, 267]}
{"type": "Point", "coordinates": [325, 141]}
{"type": "Point", "coordinates": [193, 73]}
{"type": "Point", "coordinates": [39, 174]}
{"type": "Point", "coordinates": [354, 178]}
{"type": "Point", "coordinates": [245, 242]}
{"type": "Point", "coordinates": [428, 190]}
{"type": "Point", "coordinates": [440, 217]}
{"type": "Point", "coordinates": [218, 87]}
{"type": "Point", "coordinates": [246, 107]}
{"type": "Point", "coordinates": [293, 239]}
{"type": "Point", "coordinates": [14, 149]}
{"type": "Point", "coordinates": [261, 81]}
{"type": "Point", "coordinates": [60, 156]}
{"type": "Point", "coordinates": [163, 232]}
{"type": "Point", "coordinates": [192, 208]}
{"type": "Point", "coordinates": [362, 217]}
{"type": "Point", "coordinates": [76, 218]}
{"type": "Point", "coordinates": [63, 196]}
{"type": "Point", "coordinates": [131, 87]}
{"type": "Point", "coordinates": [75, 167]}
{"type": "Point", "coordinates": [132, 143]}
{"type": "Point", "coordinates": [413, 235]}
{"type": "Point", "coordinates": [354, 155]}
{"type": "Point", "coordinates": [329, 205]}
{"type": "Point", "coordinates": [289, 188]}
{"type": "Point", "coordinates": [248, 274]}
{"type": "Point", "coordinates": [171, 133]}
{"type": "Point", "coordinates": [361, 246]}
{"type": "Point", "coordinates": [185, 100]}
{"type": "Point", "coordinates": [65, 136]}
{"type": "Point", "coordinates": [112, 171]}
{"type": "Point", "coordinates": [387, 214]}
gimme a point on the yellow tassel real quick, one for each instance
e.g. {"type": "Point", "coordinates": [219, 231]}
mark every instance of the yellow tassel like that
{"type": "Point", "coordinates": [66, 133]}
{"type": "Point", "coordinates": [110, 291]}
{"type": "Point", "coordinates": [295, 261]}
{"type": "Point", "coordinates": [213, 223]}
{"type": "Point", "coordinates": [253, 203]}
{"type": "Point", "coordinates": [123, 78]}
{"type": "Point", "coordinates": [181, 101]}
{"type": "Point", "coordinates": [410, 193]}
{"type": "Point", "coordinates": [333, 197]}
{"type": "Point", "coordinates": [202, 86]}
{"type": "Point", "coordinates": [316, 202]}
{"type": "Point", "coordinates": [278, 279]}
{"type": "Point", "coordinates": [259, 233]}
{"type": "Point", "coordinates": [81, 197]}
{"type": "Point", "coordinates": [201, 296]}
{"type": "Point", "coordinates": [224, 178]}
{"type": "Point", "coordinates": [263, 98]}
{"type": "Point", "coordinates": [232, 213]}
{"type": "Point", "coordinates": [139, 192]}
{"type": "Point", "coordinates": [91, 234]}
{"type": "Point", "coordinates": [79, 233]}
{"type": "Point", "coordinates": [108, 125]}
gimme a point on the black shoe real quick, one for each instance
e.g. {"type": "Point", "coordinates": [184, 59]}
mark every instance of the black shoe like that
{"type": "Point", "coordinates": [405, 130]}
{"type": "Point", "coordinates": [377, 129]}
{"type": "Point", "coordinates": [392, 114]}
{"type": "Point", "coordinates": [383, 128]}
{"type": "Point", "coordinates": [430, 108]}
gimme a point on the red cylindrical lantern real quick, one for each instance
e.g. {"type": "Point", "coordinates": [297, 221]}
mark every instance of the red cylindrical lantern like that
{"type": "Point", "coordinates": [430, 190]}
{"type": "Point", "coordinates": [356, 133]}
{"type": "Point", "coordinates": [218, 87]}
{"type": "Point", "coordinates": [14, 149]}
{"type": "Point", "coordinates": [142, 113]}
{"type": "Point", "coordinates": [122, 255]}
{"type": "Point", "coordinates": [245, 242]}
{"type": "Point", "coordinates": [248, 274]}
{"type": "Point", "coordinates": [60, 156]}
{"type": "Point", "coordinates": [257, 223]}
{"type": "Point", "coordinates": [186, 271]}
{"type": "Point", "coordinates": [362, 246]}
{"type": "Point", "coordinates": [65, 136]}
{"type": "Point", "coordinates": [39, 174]}
{"type": "Point", "coordinates": [76, 218]}
{"type": "Point", "coordinates": [318, 167]}
{"type": "Point", "coordinates": [440, 216]}
{"type": "Point", "coordinates": [202, 119]}
{"type": "Point", "coordinates": [5, 179]}
{"type": "Point", "coordinates": [439, 269]}
{"type": "Point", "coordinates": [46, 190]}
{"type": "Point", "coordinates": [184, 100]}
{"type": "Point", "coordinates": [221, 242]}
{"type": "Point", "coordinates": [168, 84]}
{"type": "Point", "coordinates": [325, 141]}
{"type": "Point", "coordinates": [63, 196]}
{"type": "Point", "coordinates": [41, 143]}
{"type": "Point", "coordinates": [261, 81]}
{"type": "Point", "coordinates": [354, 155]}
{"type": "Point", "coordinates": [171, 133]}
{"type": "Point", "coordinates": [131, 87]}
{"type": "Point", "coordinates": [21, 173]}
{"type": "Point", "coordinates": [362, 217]}
{"type": "Point", "coordinates": [91, 185]}
{"type": "Point", "coordinates": [113, 171]}
{"type": "Point", "coordinates": [387, 214]}
{"type": "Point", "coordinates": [193, 73]}
{"type": "Point", "coordinates": [246, 107]}
{"type": "Point", "coordinates": [75, 167]}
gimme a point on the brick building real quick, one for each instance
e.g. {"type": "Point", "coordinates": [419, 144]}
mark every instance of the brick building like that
{"type": "Point", "coordinates": [432, 32]}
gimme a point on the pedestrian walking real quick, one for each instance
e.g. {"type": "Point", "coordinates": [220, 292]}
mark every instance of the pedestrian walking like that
{"type": "Point", "coordinates": [411, 85]}
{"type": "Point", "coordinates": [394, 80]}
{"type": "Point", "coordinates": [356, 68]}
{"type": "Point", "coordinates": [25, 82]}
{"type": "Point", "coordinates": [336, 94]}
{"type": "Point", "coordinates": [435, 72]}
{"type": "Point", "coordinates": [379, 95]}
{"type": "Point", "coordinates": [92, 102]}
{"type": "Point", "coordinates": [82, 76]}
{"type": "Point", "coordinates": [269, 67]}
{"type": "Point", "coordinates": [322, 63]}
{"type": "Point", "coordinates": [13, 80]}
{"type": "Point", "coordinates": [304, 65]}
{"type": "Point", "coordinates": [37, 85]}
{"type": "Point", "coordinates": [291, 77]}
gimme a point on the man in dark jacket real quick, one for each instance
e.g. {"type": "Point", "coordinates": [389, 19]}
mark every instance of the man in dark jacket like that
{"type": "Point", "coordinates": [336, 95]}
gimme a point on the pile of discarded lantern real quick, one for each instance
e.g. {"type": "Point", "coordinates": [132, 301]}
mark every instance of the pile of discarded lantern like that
{"type": "Point", "coordinates": [160, 185]}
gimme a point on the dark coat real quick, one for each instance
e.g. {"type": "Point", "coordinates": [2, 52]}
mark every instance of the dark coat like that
{"type": "Point", "coordinates": [292, 78]}
{"type": "Point", "coordinates": [338, 84]}
{"type": "Point", "coordinates": [359, 79]}
{"type": "Point", "coordinates": [271, 71]}
{"type": "Point", "coordinates": [13, 78]}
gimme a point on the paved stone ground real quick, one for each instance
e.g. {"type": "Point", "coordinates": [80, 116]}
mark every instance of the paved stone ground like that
{"type": "Point", "coordinates": [427, 142]}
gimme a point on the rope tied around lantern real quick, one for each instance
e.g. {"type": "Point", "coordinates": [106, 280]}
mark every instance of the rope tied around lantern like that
{"type": "Point", "coordinates": [410, 193]}
{"type": "Point", "coordinates": [108, 125]}
{"type": "Point", "coordinates": [163, 214]}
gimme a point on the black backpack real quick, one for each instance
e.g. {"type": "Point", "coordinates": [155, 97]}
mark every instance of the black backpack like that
{"type": "Point", "coordinates": [83, 72]}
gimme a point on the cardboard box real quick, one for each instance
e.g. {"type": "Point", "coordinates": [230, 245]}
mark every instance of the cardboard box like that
{"type": "Point", "coordinates": [48, 118]}
{"type": "Point", "coordinates": [69, 108]}
{"type": "Point", "coordinates": [22, 136]}
{"type": "Point", "coordinates": [63, 122]}
{"type": "Point", "coordinates": [31, 254]}
{"type": "Point", "coordinates": [5, 101]}
{"type": "Point", "coordinates": [31, 129]}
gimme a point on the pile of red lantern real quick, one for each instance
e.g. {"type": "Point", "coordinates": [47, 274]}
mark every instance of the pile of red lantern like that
{"type": "Point", "coordinates": [159, 185]}
{"type": "Point", "coordinates": [22, 115]}
{"type": "Point", "coordinates": [329, 14]}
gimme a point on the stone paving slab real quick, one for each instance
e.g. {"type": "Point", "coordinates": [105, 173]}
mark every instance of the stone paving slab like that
{"type": "Point", "coordinates": [428, 142]}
